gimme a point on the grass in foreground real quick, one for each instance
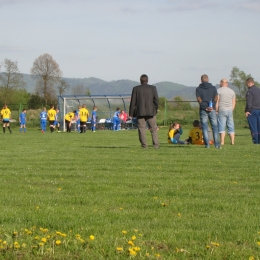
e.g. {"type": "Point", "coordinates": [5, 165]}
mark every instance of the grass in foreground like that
{"type": "Point", "coordinates": [100, 196]}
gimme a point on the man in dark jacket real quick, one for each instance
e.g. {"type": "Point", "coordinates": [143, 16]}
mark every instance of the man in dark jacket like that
{"type": "Point", "coordinates": [207, 97]}
{"type": "Point", "coordinates": [252, 109]}
{"type": "Point", "coordinates": [144, 105]}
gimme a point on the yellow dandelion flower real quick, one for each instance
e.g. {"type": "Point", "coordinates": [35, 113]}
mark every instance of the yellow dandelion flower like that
{"type": "Point", "coordinates": [58, 232]}
{"type": "Point", "coordinates": [135, 230]}
{"type": "Point", "coordinates": [91, 237]}
{"type": "Point", "coordinates": [133, 238]}
{"type": "Point", "coordinates": [251, 258]}
{"type": "Point", "coordinates": [207, 246]}
{"type": "Point", "coordinates": [158, 255]}
{"type": "Point", "coordinates": [41, 228]}
{"type": "Point", "coordinates": [48, 237]}
{"type": "Point", "coordinates": [59, 189]}
{"type": "Point", "coordinates": [215, 244]}
{"type": "Point", "coordinates": [121, 208]}
{"type": "Point", "coordinates": [44, 240]}
{"type": "Point", "coordinates": [258, 243]}
{"type": "Point", "coordinates": [132, 252]}
{"type": "Point", "coordinates": [16, 243]}
{"type": "Point", "coordinates": [179, 215]}
{"type": "Point", "coordinates": [152, 248]}
{"type": "Point", "coordinates": [36, 237]}
{"type": "Point", "coordinates": [15, 233]}
{"type": "Point", "coordinates": [63, 234]}
{"type": "Point", "coordinates": [77, 235]}
{"type": "Point", "coordinates": [119, 249]}
{"type": "Point", "coordinates": [57, 242]}
{"type": "Point", "coordinates": [131, 243]}
{"type": "Point", "coordinates": [136, 248]}
{"type": "Point", "coordinates": [4, 243]}
{"type": "Point", "coordinates": [41, 244]}
{"type": "Point", "coordinates": [163, 204]}
{"type": "Point", "coordinates": [37, 207]}
{"type": "Point", "coordinates": [124, 232]}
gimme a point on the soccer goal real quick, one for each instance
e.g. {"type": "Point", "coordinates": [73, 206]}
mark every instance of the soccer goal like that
{"type": "Point", "coordinates": [106, 105]}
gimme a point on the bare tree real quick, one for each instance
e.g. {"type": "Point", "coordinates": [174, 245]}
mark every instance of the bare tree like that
{"type": "Point", "coordinates": [63, 86]}
{"type": "Point", "coordinates": [47, 70]}
{"type": "Point", "coordinates": [11, 79]}
{"type": "Point", "coordinates": [78, 90]}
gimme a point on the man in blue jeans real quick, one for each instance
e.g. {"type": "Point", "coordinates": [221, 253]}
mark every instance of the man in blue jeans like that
{"type": "Point", "coordinates": [252, 110]}
{"type": "Point", "coordinates": [207, 97]}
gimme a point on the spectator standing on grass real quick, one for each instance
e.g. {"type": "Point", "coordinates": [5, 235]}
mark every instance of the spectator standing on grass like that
{"type": "Point", "coordinates": [252, 109]}
{"type": "Point", "coordinates": [207, 97]}
{"type": "Point", "coordinates": [225, 107]}
{"type": "Point", "coordinates": [51, 117]}
{"type": "Point", "coordinates": [22, 121]}
{"type": "Point", "coordinates": [43, 118]}
{"type": "Point", "coordinates": [144, 106]}
{"type": "Point", "coordinates": [6, 116]}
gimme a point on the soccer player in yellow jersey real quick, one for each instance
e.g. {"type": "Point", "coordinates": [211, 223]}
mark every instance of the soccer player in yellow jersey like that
{"type": "Point", "coordinates": [68, 119]}
{"type": "Point", "coordinates": [6, 116]}
{"type": "Point", "coordinates": [195, 135]}
{"type": "Point", "coordinates": [51, 117]}
{"type": "Point", "coordinates": [83, 114]}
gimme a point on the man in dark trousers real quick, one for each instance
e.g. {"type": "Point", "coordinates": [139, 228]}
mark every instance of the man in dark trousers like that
{"type": "Point", "coordinates": [207, 97]}
{"type": "Point", "coordinates": [144, 105]}
{"type": "Point", "coordinates": [252, 110]}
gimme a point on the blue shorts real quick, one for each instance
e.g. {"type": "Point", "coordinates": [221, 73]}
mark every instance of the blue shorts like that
{"type": "Point", "coordinates": [55, 123]}
{"type": "Point", "coordinates": [6, 120]}
{"type": "Point", "coordinates": [225, 118]}
{"type": "Point", "coordinates": [23, 122]}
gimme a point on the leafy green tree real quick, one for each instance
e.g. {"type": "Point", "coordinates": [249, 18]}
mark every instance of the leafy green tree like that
{"type": "Point", "coordinates": [238, 79]}
{"type": "Point", "coordinates": [162, 101]}
{"type": "Point", "coordinates": [35, 101]}
{"type": "Point", "coordinates": [180, 104]}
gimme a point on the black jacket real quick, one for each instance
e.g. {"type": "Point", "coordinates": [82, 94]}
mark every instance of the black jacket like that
{"type": "Point", "coordinates": [252, 99]}
{"type": "Point", "coordinates": [206, 91]}
{"type": "Point", "coordinates": [144, 101]}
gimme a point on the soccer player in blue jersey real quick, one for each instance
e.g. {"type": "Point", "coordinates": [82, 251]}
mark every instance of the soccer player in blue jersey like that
{"type": "Point", "coordinates": [56, 121]}
{"type": "Point", "coordinates": [43, 118]}
{"type": "Point", "coordinates": [94, 119]}
{"type": "Point", "coordinates": [22, 120]}
{"type": "Point", "coordinates": [116, 120]}
{"type": "Point", "coordinates": [77, 116]}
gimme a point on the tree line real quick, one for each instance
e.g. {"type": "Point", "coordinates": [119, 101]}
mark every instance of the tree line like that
{"type": "Point", "coordinates": [50, 83]}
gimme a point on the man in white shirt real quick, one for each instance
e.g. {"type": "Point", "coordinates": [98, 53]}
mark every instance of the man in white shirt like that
{"type": "Point", "coordinates": [225, 106]}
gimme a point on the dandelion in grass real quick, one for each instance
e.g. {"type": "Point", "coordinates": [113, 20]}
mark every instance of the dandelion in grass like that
{"type": "Point", "coordinates": [157, 255]}
{"type": "Point", "coordinates": [37, 207]}
{"type": "Point", "coordinates": [44, 240]}
{"type": "Point", "coordinates": [15, 233]}
{"type": "Point", "coordinates": [57, 242]}
{"type": "Point", "coordinates": [59, 189]}
{"type": "Point", "coordinates": [207, 246]}
{"type": "Point", "coordinates": [121, 208]}
{"type": "Point", "coordinates": [215, 244]}
{"type": "Point", "coordinates": [16, 245]}
{"type": "Point", "coordinates": [133, 238]}
{"type": "Point", "coordinates": [41, 244]}
{"type": "Point", "coordinates": [77, 235]}
{"type": "Point", "coordinates": [91, 237]}
{"type": "Point", "coordinates": [124, 232]}
{"type": "Point", "coordinates": [251, 258]}
{"type": "Point", "coordinates": [136, 248]}
{"type": "Point", "coordinates": [131, 243]}
{"type": "Point", "coordinates": [63, 234]}
{"type": "Point", "coordinates": [119, 249]}
{"type": "Point", "coordinates": [4, 243]}
{"type": "Point", "coordinates": [164, 204]}
{"type": "Point", "coordinates": [258, 243]}
{"type": "Point", "coordinates": [132, 252]}
{"type": "Point", "coordinates": [140, 235]}
{"type": "Point", "coordinates": [58, 233]}
{"type": "Point", "coordinates": [135, 230]}
{"type": "Point", "coordinates": [36, 237]}
{"type": "Point", "coordinates": [179, 215]}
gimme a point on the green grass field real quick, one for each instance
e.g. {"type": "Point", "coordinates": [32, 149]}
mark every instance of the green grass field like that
{"type": "Point", "coordinates": [100, 196]}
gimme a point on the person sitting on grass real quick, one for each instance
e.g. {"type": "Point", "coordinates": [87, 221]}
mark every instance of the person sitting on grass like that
{"type": "Point", "coordinates": [175, 131]}
{"type": "Point", "coordinates": [195, 135]}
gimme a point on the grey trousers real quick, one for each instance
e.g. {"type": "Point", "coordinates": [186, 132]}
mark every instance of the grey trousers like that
{"type": "Point", "coordinates": [141, 123]}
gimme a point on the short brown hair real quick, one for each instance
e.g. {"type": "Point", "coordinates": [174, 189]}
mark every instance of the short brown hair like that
{"type": "Point", "coordinates": [204, 78]}
{"type": "Point", "coordinates": [250, 80]}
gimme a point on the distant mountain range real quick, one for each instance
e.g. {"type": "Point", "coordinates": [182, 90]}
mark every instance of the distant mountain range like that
{"type": "Point", "coordinates": [100, 87]}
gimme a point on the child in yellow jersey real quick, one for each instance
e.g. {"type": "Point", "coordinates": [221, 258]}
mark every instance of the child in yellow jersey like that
{"type": "Point", "coordinates": [51, 116]}
{"type": "Point", "coordinates": [83, 114]}
{"type": "Point", "coordinates": [6, 116]}
{"type": "Point", "coordinates": [68, 119]}
{"type": "Point", "coordinates": [175, 131]}
{"type": "Point", "coordinates": [195, 135]}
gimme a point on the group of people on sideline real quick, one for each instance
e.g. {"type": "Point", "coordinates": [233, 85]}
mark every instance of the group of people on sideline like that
{"type": "Point", "coordinates": [215, 106]}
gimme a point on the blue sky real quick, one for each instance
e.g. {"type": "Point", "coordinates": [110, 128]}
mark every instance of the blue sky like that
{"type": "Point", "coordinates": [169, 40]}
